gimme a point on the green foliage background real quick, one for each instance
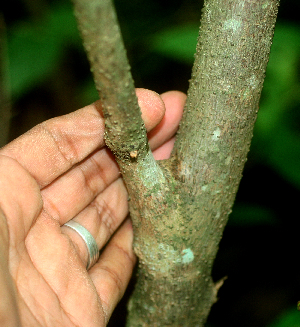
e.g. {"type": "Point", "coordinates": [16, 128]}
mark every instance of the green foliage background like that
{"type": "Point", "coordinates": [49, 76]}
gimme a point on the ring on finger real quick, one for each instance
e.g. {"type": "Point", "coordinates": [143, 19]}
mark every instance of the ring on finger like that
{"type": "Point", "coordinates": [92, 247]}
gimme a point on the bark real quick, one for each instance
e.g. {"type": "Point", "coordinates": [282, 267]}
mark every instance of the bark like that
{"type": "Point", "coordinates": [180, 206]}
{"type": "Point", "coordinates": [125, 131]}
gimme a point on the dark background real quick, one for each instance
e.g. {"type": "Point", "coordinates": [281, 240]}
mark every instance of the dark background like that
{"type": "Point", "coordinates": [48, 75]}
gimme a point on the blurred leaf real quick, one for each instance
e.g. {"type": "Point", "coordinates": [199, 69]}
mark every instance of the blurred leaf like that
{"type": "Point", "coordinates": [284, 56]}
{"type": "Point", "coordinates": [244, 214]}
{"type": "Point", "coordinates": [280, 86]}
{"type": "Point", "coordinates": [178, 42]}
{"type": "Point", "coordinates": [277, 133]}
{"type": "Point", "coordinates": [284, 154]}
{"type": "Point", "coordinates": [88, 92]}
{"type": "Point", "coordinates": [35, 49]}
{"type": "Point", "coordinates": [290, 318]}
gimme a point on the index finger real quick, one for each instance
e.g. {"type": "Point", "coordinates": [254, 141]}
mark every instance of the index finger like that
{"type": "Point", "coordinates": [53, 147]}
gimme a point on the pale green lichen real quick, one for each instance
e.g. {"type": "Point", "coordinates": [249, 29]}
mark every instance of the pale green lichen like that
{"type": "Point", "coordinates": [228, 160]}
{"type": "Point", "coordinates": [149, 308]}
{"type": "Point", "coordinates": [265, 5]}
{"type": "Point", "coordinates": [216, 134]}
{"type": "Point", "coordinates": [149, 172]}
{"type": "Point", "coordinates": [253, 81]}
{"type": "Point", "coordinates": [187, 256]}
{"type": "Point", "coordinates": [168, 257]}
{"type": "Point", "coordinates": [232, 24]}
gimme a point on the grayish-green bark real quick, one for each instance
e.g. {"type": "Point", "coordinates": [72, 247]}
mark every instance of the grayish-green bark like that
{"type": "Point", "coordinates": [180, 206]}
{"type": "Point", "coordinates": [125, 131]}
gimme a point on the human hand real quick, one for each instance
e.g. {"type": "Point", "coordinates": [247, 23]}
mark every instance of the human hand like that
{"type": "Point", "coordinates": [58, 171]}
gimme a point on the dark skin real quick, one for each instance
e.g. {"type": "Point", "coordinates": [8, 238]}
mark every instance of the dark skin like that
{"type": "Point", "coordinates": [58, 171]}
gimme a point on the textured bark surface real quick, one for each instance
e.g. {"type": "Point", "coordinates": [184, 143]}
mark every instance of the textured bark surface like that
{"type": "Point", "coordinates": [180, 206]}
{"type": "Point", "coordinates": [125, 131]}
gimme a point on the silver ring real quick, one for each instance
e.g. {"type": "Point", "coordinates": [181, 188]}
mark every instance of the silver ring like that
{"type": "Point", "coordinates": [93, 251]}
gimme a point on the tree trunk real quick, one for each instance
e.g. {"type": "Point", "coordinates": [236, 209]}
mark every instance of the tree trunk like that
{"type": "Point", "coordinates": [180, 206]}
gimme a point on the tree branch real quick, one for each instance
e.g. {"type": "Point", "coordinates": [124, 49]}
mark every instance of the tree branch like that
{"type": "Point", "coordinates": [180, 206]}
{"type": "Point", "coordinates": [208, 159]}
{"type": "Point", "coordinates": [125, 130]}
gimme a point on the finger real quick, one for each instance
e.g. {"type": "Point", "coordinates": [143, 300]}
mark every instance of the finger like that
{"type": "Point", "coordinates": [152, 106]}
{"type": "Point", "coordinates": [174, 102]}
{"type": "Point", "coordinates": [20, 199]}
{"type": "Point", "coordinates": [112, 273]}
{"type": "Point", "coordinates": [59, 269]}
{"type": "Point", "coordinates": [53, 147]}
{"type": "Point", "coordinates": [72, 192]}
{"type": "Point", "coordinates": [8, 304]}
{"type": "Point", "coordinates": [77, 188]}
{"type": "Point", "coordinates": [164, 151]}
{"type": "Point", "coordinates": [101, 218]}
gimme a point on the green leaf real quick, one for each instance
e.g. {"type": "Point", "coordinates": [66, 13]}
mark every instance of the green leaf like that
{"type": "Point", "coordinates": [35, 48]}
{"type": "Point", "coordinates": [277, 134]}
{"type": "Point", "coordinates": [244, 214]}
{"type": "Point", "coordinates": [290, 318]}
{"type": "Point", "coordinates": [177, 43]}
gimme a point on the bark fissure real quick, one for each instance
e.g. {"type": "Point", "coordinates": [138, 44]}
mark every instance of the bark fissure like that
{"type": "Point", "coordinates": [180, 206]}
